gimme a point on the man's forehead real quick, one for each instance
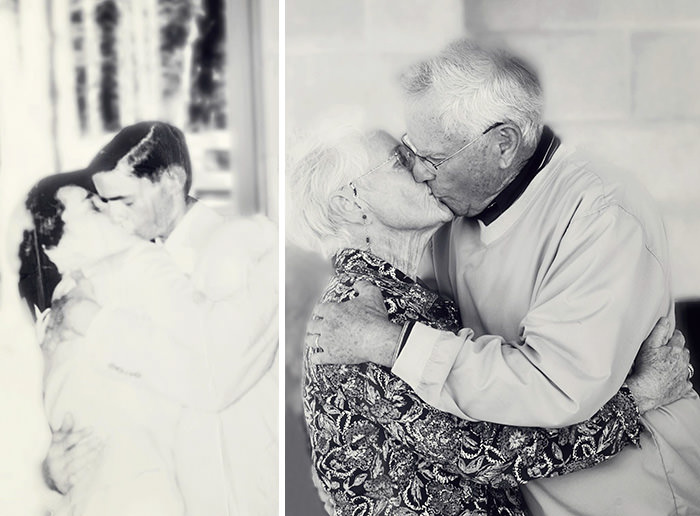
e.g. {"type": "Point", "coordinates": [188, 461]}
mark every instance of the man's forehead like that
{"type": "Point", "coordinates": [424, 127]}
{"type": "Point", "coordinates": [115, 183]}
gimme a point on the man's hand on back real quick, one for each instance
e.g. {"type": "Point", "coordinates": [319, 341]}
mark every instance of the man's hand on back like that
{"type": "Point", "coordinates": [72, 456]}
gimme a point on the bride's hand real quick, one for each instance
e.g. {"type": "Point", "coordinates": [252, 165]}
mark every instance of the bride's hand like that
{"type": "Point", "coordinates": [70, 318]}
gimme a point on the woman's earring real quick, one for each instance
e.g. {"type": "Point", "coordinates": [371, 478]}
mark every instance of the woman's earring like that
{"type": "Point", "coordinates": [364, 215]}
{"type": "Point", "coordinates": [369, 248]}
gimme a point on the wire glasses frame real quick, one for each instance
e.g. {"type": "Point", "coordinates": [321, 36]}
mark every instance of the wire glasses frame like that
{"type": "Point", "coordinates": [399, 154]}
{"type": "Point", "coordinates": [435, 166]}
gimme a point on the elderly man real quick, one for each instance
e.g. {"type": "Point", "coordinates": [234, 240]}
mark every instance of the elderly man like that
{"type": "Point", "coordinates": [560, 269]}
{"type": "Point", "coordinates": [211, 283]}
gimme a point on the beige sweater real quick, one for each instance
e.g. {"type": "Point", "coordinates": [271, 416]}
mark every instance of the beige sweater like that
{"type": "Point", "coordinates": [556, 296]}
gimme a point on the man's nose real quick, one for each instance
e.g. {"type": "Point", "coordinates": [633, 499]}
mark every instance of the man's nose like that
{"type": "Point", "coordinates": [421, 172]}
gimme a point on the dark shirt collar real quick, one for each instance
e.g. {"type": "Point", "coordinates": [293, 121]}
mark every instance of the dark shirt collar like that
{"type": "Point", "coordinates": [547, 146]}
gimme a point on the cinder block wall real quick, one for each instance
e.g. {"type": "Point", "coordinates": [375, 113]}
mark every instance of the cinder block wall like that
{"type": "Point", "coordinates": [351, 52]}
{"type": "Point", "coordinates": [621, 78]}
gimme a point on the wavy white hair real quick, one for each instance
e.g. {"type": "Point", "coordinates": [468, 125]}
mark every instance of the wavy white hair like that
{"type": "Point", "coordinates": [478, 86]}
{"type": "Point", "coordinates": [318, 165]}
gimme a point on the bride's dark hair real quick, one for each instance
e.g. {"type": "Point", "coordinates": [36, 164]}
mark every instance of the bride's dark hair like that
{"type": "Point", "coordinates": [38, 275]}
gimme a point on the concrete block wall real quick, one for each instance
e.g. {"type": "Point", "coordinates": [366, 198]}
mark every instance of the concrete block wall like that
{"type": "Point", "coordinates": [621, 80]}
{"type": "Point", "coordinates": [351, 52]}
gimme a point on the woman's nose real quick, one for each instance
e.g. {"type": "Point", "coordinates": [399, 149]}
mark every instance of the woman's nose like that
{"type": "Point", "coordinates": [421, 172]}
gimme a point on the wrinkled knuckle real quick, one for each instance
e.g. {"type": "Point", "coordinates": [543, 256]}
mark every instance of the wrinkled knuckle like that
{"type": "Point", "coordinates": [679, 339]}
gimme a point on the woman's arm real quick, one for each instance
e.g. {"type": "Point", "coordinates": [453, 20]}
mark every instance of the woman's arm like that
{"type": "Point", "coordinates": [488, 453]}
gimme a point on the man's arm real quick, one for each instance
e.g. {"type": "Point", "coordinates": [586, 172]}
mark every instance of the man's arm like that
{"type": "Point", "coordinates": [506, 456]}
{"type": "Point", "coordinates": [203, 349]}
{"type": "Point", "coordinates": [594, 305]}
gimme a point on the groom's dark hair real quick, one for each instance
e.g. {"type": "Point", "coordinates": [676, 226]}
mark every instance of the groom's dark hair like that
{"type": "Point", "coordinates": [150, 148]}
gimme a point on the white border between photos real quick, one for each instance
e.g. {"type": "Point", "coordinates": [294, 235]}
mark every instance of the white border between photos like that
{"type": "Point", "coordinates": [281, 276]}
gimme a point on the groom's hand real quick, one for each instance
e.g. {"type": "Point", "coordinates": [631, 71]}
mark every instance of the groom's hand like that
{"type": "Point", "coordinates": [72, 456]}
{"type": "Point", "coordinates": [353, 332]}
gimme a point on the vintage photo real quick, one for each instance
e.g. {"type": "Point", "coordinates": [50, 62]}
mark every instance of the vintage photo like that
{"type": "Point", "coordinates": [490, 218]}
{"type": "Point", "coordinates": [139, 308]}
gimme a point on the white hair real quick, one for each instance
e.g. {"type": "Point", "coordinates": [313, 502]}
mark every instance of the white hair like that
{"type": "Point", "coordinates": [478, 86]}
{"type": "Point", "coordinates": [317, 167]}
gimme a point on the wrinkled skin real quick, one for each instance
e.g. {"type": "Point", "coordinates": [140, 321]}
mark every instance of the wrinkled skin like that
{"type": "Point", "coordinates": [353, 332]}
{"type": "Point", "coordinates": [661, 374]}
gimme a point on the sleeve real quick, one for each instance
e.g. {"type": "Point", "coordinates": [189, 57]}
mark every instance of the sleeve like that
{"type": "Point", "coordinates": [205, 350]}
{"type": "Point", "coordinates": [487, 453]}
{"type": "Point", "coordinates": [595, 304]}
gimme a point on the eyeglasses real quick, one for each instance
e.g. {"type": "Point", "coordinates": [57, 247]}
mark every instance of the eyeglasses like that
{"type": "Point", "coordinates": [401, 154]}
{"type": "Point", "coordinates": [409, 146]}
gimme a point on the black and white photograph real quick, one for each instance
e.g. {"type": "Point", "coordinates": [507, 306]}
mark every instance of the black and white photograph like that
{"type": "Point", "coordinates": [139, 284]}
{"type": "Point", "coordinates": [491, 270]}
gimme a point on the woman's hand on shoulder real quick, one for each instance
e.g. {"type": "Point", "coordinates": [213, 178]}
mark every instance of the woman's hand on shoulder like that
{"type": "Point", "coordinates": [353, 332]}
{"type": "Point", "coordinates": [70, 316]}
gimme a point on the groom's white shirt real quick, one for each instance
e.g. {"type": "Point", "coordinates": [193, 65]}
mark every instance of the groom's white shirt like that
{"type": "Point", "coordinates": [556, 296]}
{"type": "Point", "coordinates": [213, 286]}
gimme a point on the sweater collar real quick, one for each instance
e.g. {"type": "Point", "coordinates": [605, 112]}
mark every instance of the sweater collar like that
{"type": "Point", "coordinates": [546, 147]}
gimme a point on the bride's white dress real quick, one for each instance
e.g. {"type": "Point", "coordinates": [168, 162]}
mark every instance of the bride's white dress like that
{"type": "Point", "coordinates": [135, 473]}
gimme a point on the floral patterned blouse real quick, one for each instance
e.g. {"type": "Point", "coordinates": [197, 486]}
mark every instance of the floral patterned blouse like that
{"type": "Point", "coordinates": [378, 449]}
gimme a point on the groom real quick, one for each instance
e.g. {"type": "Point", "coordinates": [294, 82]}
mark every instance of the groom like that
{"type": "Point", "coordinates": [209, 281]}
{"type": "Point", "coordinates": [560, 269]}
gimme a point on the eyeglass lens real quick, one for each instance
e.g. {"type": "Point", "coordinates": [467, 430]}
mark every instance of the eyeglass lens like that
{"type": "Point", "coordinates": [405, 157]}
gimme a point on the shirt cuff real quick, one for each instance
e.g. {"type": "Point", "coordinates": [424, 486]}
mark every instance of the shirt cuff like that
{"type": "Point", "coordinates": [425, 362]}
{"type": "Point", "coordinates": [427, 356]}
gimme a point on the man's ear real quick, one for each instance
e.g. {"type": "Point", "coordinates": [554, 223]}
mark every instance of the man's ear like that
{"type": "Point", "coordinates": [509, 140]}
{"type": "Point", "coordinates": [343, 207]}
{"type": "Point", "coordinates": [177, 175]}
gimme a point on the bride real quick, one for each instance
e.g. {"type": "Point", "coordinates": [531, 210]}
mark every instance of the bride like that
{"type": "Point", "coordinates": [135, 425]}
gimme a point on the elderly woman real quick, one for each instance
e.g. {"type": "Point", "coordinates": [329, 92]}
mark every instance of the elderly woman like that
{"type": "Point", "coordinates": [376, 447]}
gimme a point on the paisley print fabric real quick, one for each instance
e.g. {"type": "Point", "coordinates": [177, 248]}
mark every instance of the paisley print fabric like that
{"type": "Point", "coordinates": [378, 449]}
